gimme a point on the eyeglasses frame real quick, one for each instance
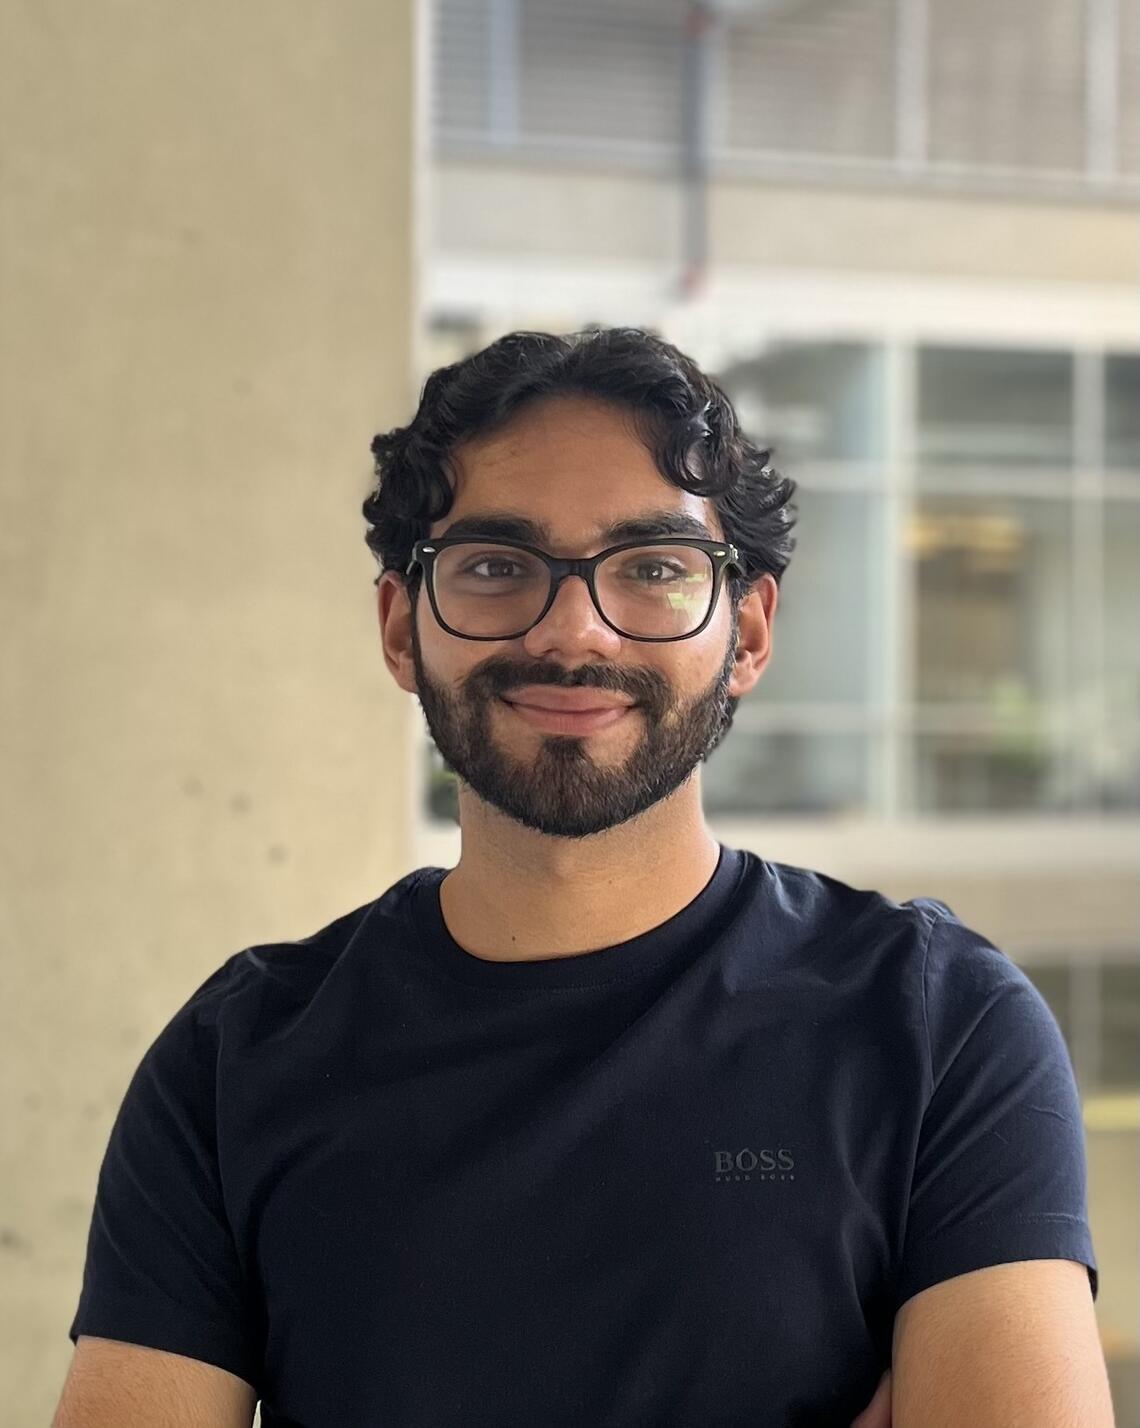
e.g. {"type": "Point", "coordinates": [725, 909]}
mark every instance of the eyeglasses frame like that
{"type": "Point", "coordinates": [722, 553]}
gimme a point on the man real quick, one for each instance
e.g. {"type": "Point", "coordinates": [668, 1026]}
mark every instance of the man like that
{"type": "Point", "coordinates": [609, 1124]}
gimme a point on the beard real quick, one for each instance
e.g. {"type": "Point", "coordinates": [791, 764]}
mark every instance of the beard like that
{"type": "Point", "coordinates": [571, 785]}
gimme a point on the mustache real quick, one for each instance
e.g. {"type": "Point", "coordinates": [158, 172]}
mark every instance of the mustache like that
{"type": "Point", "coordinates": [500, 681]}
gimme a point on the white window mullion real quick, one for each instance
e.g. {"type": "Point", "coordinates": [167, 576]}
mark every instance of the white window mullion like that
{"type": "Point", "coordinates": [1102, 86]}
{"type": "Point", "coordinates": [912, 90]}
{"type": "Point", "coordinates": [1088, 704]}
{"type": "Point", "coordinates": [893, 793]}
{"type": "Point", "coordinates": [503, 71]}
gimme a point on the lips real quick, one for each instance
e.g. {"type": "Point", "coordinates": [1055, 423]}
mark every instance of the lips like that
{"type": "Point", "coordinates": [568, 701]}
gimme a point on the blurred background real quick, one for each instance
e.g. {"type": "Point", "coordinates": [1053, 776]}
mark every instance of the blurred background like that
{"type": "Point", "coordinates": [904, 235]}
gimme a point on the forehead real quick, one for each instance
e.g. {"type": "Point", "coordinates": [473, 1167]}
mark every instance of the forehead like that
{"type": "Point", "coordinates": [568, 472]}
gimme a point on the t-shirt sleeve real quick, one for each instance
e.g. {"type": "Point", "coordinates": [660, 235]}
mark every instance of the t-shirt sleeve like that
{"type": "Point", "coordinates": [162, 1268]}
{"type": "Point", "coordinates": [1001, 1170]}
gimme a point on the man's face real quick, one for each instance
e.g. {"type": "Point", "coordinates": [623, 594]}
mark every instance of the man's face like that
{"type": "Point", "coordinates": [576, 465]}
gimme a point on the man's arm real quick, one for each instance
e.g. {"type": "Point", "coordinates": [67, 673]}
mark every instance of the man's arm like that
{"type": "Point", "coordinates": [1008, 1346]}
{"type": "Point", "coordinates": [130, 1386]}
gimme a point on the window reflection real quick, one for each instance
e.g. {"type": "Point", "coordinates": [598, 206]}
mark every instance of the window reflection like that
{"type": "Point", "coordinates": [993, 406]}
{"type": "Point", "coordinates": [992, 601]}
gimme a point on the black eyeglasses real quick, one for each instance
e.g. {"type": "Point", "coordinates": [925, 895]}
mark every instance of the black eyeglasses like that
{"type": "Point", "coordinates": [483, 607]}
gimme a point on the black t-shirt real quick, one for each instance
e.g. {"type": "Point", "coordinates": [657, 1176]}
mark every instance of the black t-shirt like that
{"type": "Point", "coordinates": [684, 1180]}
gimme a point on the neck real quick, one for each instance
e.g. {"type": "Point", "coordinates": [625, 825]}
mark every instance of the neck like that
{"type": "Point", "coordinates": [520, 895]}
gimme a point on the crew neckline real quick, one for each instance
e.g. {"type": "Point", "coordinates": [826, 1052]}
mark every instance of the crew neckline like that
{"type": "Point", "coordinates": [624, 961]}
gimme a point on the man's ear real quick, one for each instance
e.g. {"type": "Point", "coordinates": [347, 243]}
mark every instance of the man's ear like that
{"type": "Point", "coordinates": [754, 640]}
{"type": "Point", "coordinates": [394, 611]}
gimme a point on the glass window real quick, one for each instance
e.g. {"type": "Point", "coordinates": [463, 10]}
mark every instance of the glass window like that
{"type": "Point", "coordinates": [1128, 109]}
{"type": "Point", "coordinates": [1007, 83]}
{"type": "Point", "coordinates": [1122, 410]}
{"type": "Point", "coordinates": [1053, 981]}
{"type": "Point", "coordinates": [447, 338]}
{"type": "Point", "coordinates": [812, 401]}
{"type": "Point", "coordinates": [991, 602]}
{"type": "Point", "coordinates": [841, 55]}
{"type": "Point", "coordinates": [826, 645]}
{"type": "Point", "coordinates": [970, 772]}
{"type": "Point", "coordinates": [758, 770]}
{"type": "Point", "coordinates": [1120, 1026]}
{"type": "Point", "coordinates": [596, 70]}
{"type": "Point", "coordinates": [460, 59]}
{"type": "Point", "coordinates": [993, 407]}
{"type": "Point", "coordinates": [441, 788]}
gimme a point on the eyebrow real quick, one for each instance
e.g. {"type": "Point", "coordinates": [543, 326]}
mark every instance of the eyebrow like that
{"type": "Point", "coordinates": [646, 524]}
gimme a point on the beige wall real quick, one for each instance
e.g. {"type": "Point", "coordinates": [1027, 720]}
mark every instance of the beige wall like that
{"type": "Point", "coordinates": [207, 279]}
{"type": "Point", "coordinates": [977, 237]}
{"type": "Point", "coordinates": [491, 207]}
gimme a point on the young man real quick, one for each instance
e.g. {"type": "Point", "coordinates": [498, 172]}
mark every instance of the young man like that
{"type": "Point", "coordinates": [609, 1124]}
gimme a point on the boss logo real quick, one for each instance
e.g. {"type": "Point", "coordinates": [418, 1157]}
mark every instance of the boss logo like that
{"type": "Point", "coordinates": [743, 1164]}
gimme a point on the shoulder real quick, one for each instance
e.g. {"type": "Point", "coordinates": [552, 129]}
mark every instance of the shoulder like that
{"type": "Point", "coordinates": [975, 992]}
{"type": "Point", "coordinates": [254, 991]}
{"type": "Point", "coordinates": [825, 907]}
{"type": "Point", "coordinates": [928, 925]}
{"type": "Point", "coordinates": [917, 961]}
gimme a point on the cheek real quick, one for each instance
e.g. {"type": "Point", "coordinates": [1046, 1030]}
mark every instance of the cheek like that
{"type": "Point", "coordinates": [711, 653]}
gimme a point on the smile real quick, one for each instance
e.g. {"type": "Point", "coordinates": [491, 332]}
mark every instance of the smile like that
{"type": "Point", "coordinates": [560, 721]}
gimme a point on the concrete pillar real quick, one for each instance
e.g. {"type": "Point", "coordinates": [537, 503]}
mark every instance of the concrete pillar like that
{"type": "Point", "coordinates": [208, 285]}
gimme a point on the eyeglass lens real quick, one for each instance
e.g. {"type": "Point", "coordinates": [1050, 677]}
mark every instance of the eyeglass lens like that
{"type": "Point", "coordinates": [498, 591]}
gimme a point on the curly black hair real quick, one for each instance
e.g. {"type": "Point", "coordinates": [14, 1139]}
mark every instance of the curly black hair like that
{"type": "Point", "coordinates": [686, 421]}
